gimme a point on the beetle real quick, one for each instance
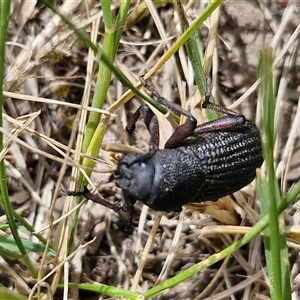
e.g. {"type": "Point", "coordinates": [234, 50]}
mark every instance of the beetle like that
{"type": "Point", "coordinates": [198, 163]}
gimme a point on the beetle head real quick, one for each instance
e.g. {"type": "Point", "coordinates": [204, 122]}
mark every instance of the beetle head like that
{"type": "Point", "coordinates": [135, 175]}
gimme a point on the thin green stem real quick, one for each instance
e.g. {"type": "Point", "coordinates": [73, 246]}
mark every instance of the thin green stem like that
{"type": "Point", "coordinates": [4, 198]}
{"type": "Point", "coordinates": [274, 235]}
{"type": "Point", "coordinates": [107, 15]}
{"type": "Point", "coordinates": [113, 33]}
{"type": "Point", "coordinates": [194, 50]}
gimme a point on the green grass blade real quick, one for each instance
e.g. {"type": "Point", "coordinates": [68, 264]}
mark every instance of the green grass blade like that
{"type": "Point", "coordinates": [110, 46]}
{"type": "Point", "coordinates": [106, 290]}
{"type": "Point", "coordinates": [274, 235]}
{"type": "Point", "coordinates": [4, 198]}
{"type": "Point", "coordinates": [194, 50]}
{"type": "Point", "coordinates": [7, 294]}
{"type": "Point", "coordinates": [8, 245]}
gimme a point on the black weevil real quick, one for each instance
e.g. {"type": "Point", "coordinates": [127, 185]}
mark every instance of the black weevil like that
{"type": "Point", "coordinates": [198, 163]}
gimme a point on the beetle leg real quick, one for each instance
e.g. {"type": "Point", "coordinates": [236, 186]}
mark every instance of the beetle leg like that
{"type": "Point", "coordinates": [227, 123]}
{"type": "Point", "coordinates": [126, 205]}
{"type": "Point", "coordinates": [151, 122]}
{"type": "Point", "coordinates": [232, 121]}
{"type": "Point", "coordinates": [97, 199]}
{"type": "Point", "coordinates": [129, 203]}
{"type": "Point", "coordinates": [163, 101]}
{"type": "Point", "coordinates": [208, 105]}
{"type": "Point", "coordinates": [181, 132]}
